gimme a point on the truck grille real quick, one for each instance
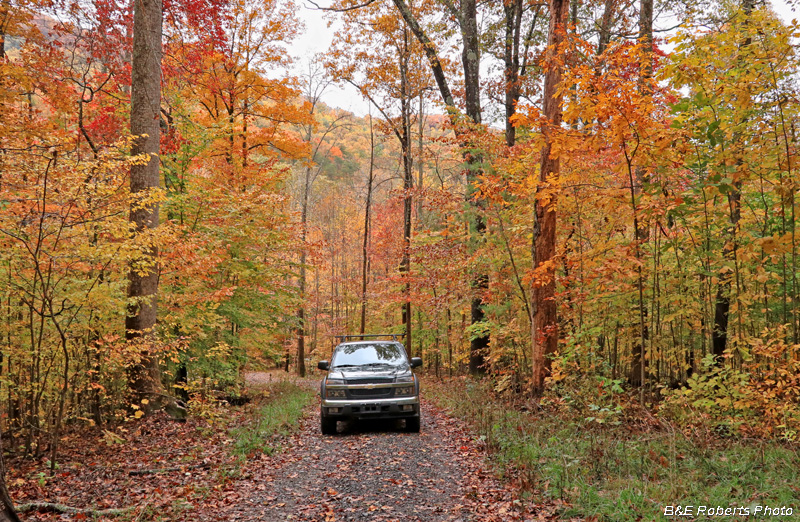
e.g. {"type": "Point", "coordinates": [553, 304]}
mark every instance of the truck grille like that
{"type": "Point", "coordinates": [375, 392]}
{"type": "Point", "coordinates": [371, 380]}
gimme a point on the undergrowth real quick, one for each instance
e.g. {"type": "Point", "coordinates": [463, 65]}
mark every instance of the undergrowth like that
{"type": "Point", "coordinates": [604, 463]}
{"type": "Point", "coordinates": [277, 414]}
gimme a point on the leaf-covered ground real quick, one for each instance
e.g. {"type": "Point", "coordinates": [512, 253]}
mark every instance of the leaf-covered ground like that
{"type": "Point", "coordinates": [162, 470]}
{"type": "Point", "coordinates": [377, 472]}
{"type": "Point", "coordinates": [153, 466]}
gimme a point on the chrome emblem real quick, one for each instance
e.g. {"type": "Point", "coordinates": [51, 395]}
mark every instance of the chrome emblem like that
{"type": "Point", "coordinates": [370, 386]}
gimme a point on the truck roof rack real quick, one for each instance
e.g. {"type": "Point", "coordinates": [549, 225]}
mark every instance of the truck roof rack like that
{"type": "Point", "coordinates": [344, 338]}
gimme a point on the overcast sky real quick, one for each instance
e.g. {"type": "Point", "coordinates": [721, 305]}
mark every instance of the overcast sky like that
{"type": "Point", "coordinates": [316, 39]}
{"type": "Point", "coordinates": [318, 36]}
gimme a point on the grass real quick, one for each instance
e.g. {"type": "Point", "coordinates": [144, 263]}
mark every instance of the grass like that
{"type": "Point", "coordinates": [622, 472]}
{"type": "Point", "coordinates": [277, 414]}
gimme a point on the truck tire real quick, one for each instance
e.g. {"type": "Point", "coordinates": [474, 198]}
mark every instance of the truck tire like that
{"type": "Point", "coordinates": [327, 425]}
{"type": "Point", "coordinates": [412, 424]}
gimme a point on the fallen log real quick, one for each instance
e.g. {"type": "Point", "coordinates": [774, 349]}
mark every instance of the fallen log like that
{"type": "Point", "coordinates": [53, 507]}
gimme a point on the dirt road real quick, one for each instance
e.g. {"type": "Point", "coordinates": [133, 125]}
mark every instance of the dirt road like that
{"type": "Point", "coordinates": [157, 469]}
{"type": "Point", "coordinates": [375, 472]}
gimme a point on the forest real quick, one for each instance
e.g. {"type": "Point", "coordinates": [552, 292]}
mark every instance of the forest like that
{"type": "Point", "coordinates": [584, 211]}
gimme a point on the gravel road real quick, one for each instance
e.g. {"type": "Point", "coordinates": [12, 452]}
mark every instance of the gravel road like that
{"type": "Point", "coordinates": [375, 472]}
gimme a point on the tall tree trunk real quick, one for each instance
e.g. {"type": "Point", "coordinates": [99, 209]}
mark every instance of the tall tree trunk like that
{"type": "Point", "coordinates": [6, 16]}
{"type": "Point", "coordinates": [317, 306]}
{"type": "Point", "coordinates": [470, 60]}
{"type": "Point", "coordinates": [301, 311]}
{"type": "Point", "coordinates": [544, 327]}
{"type": "Point", "coordinates": [5, 19]}
{"type": "Point", "coordinates": [421, 129]}
{"type": "Point", "coordinates": [7, 513]}
{"type": "Point", "coordinates": [449, 343]}
{"type": "Point", "coordinates": [722, 306]}
{"type": "Point", "coordinates": [513, 15]}
{"type": "Point", "coordinates": [638, 373]}
{"type": "Point", "coordinates": [245, 146]}
{"type": "Point", "coordinates": [605, 25]}
{"type": "Point", "coordinates": [365, 246]}
{"type": "Point", "coordinates": [408, 184]}
{"type": "Point", "coordinates": [144, 376]}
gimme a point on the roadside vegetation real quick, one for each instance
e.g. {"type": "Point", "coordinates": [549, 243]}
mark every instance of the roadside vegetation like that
{"type": "Point", "coordinates": [275, 416]}
{"type": "Point", "coordinates": [613, 460]}
{"type": "Point", "coordinates": [156, 469]}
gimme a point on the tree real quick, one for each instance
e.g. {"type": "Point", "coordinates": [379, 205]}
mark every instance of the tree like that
{"type": "Point", "coordinates": [145, 127]}
{"type": "Point", "coordinates": [7, 513]}
{"type": "Point", "coordinates": [231, 124]}
{"type": "Point", "coordinates": [231, 81]}
{"type": "Point", "coordinates": [466, 16]}
{"type": "Point", "coordinates": [390, 82]}
{"type": "Point", "coordinates": [515, 56]}
{"type": "Point", "coordinates": [320, 143]}
{"type": "Point", "coordinates": [544, 327]}
{"type": "Point", "coordinates": [365, 244]}
{"type": "Point", "coordinates": [719, 337]}
{"type": "Point", "coordinates": [641, 228]}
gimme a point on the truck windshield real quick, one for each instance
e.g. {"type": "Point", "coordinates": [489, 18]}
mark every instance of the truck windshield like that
{"type": "Point", "coordinates": [350, 355]}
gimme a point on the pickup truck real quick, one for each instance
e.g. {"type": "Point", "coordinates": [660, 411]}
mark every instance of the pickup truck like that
{"type": "Point", "coordinates": [369, 380]}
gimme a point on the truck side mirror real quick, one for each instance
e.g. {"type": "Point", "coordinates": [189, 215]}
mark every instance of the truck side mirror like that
{"type": "Point", "coordinates": [416, 361]}
{"type": "Point", "coordinates": [323, 365]}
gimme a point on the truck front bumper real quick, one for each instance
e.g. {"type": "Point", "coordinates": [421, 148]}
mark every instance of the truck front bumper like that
{"type": "Point", "coordinates": [393, 408]}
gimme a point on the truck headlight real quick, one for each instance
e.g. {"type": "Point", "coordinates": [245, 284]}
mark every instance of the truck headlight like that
{"type": "Point", "coordinates": [405, 391]}
{"type": "Point", "coordinates": [334, 380]}
{"type": "Point", "coordinates": [405, 378]}
{"type": "Point", "coordinates": [334, 394]}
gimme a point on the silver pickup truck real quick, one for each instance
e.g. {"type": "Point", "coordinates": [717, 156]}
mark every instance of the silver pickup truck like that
{"type": "Point", "coordinates": [369, 380]}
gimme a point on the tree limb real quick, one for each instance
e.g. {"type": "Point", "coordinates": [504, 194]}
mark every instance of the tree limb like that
{"type": "Point", "coordinates": [341, 9]}
{"type": "Point", "coordinates": [430, 53]}
{"type": "Point", "coordinates": [52, 507]}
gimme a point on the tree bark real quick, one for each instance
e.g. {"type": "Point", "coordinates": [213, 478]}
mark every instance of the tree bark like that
{"type": "Point", "coordinates": [301, 312]}
{"type": "Point", "coordinates": [638, 373]}
{"type": "Point", "coordinates": [7, 512]}
{"type": "Point", "coordinates": [144, 376]}
{"type": "Point", "coordinates": [470, 58]}
{"type": "Point", "coordinates": [5, 19]}
{"type": "Point", "coordinates": [605, 26]}
{"type": "Point", "coordinates": [513, 15]}
{"type": "Point", "coordinates": [365, 246]}
{"type": "Point", "coordinates": [544, 327]}
{"type": "Point", "coordinates": [408, 184]}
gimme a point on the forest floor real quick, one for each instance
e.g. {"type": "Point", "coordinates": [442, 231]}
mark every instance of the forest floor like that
{"type": "Point", "coordinates": [626, 463]}
{"type": "Point", "coordinates": [267, 461]}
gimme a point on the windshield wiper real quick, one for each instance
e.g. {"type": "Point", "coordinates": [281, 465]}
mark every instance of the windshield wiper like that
{"type": "Point", "coordinates": [346, 366]}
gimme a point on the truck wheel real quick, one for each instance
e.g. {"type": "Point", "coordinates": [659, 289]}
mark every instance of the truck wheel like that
{"type": "Point", "coordinates": [327, 425]}
{"type": "Point", "coordinates": [412, 424]}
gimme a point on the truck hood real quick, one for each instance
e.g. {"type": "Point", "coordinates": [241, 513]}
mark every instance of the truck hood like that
{"type": "Point", "coordinates": [384, 375]}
